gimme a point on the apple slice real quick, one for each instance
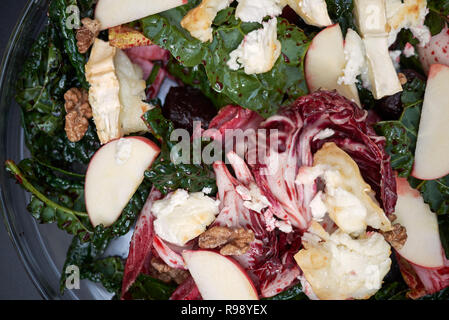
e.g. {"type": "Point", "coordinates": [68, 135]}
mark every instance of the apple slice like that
{"type": "Point", "coordinates": [436, 51]}
{"type": "Point", "coordinates": [112, 13]}
{"type": "Point", "coordinates": [325, 61]}
{"type": "Point", "coordinates": [423, 246]}
{"type": "Point", "coordinates": [113, 176]}
{"type": "Point", "coordinates": [432, 146]}
{"type": "Point", "coordinates": [218, 277]}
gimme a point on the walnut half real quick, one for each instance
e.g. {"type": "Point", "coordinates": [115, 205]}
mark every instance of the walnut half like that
{"type": "Point", "coordinates": [396, 237]}
{"type": "Point", "coordinates": [86, 35]}
{"type": "Point", "coordinates": [232, 241]}
{"type": "Point", "coordinates": [165, 273]}
{"type": "Point", "coordinates": [78, 113]}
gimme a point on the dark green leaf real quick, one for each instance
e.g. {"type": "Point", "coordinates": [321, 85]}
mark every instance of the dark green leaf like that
{"type": "Point", "coordinates": [293, 293]}
{"type": "Point", "coordinates": [59, 17]}
{"type": "Point", "coordinates": [263, 93]}
{"type": "Point", "coordinates": [107, 271]}
{"type": "Point", "coordinates": [148, 288]}
{"type": "Point", "coordinates": [341, 11]}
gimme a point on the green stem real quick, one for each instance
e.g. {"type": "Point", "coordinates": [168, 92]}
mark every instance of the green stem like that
{"type": "Point", "coordinates": [12, 167]}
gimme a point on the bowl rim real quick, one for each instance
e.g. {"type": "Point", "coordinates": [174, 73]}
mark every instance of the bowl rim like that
{"type": "Point", "coordinates": [10, 229]}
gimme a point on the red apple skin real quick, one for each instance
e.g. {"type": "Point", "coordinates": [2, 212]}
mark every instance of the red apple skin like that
{"type": "Point", "coordinates": [230, 259]}
{"type": "Point", "coordinates": [305, 60]}
{"type": "Point", "coordinates": [143, 139]}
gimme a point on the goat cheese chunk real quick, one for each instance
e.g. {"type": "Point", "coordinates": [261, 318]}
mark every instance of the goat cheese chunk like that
{"type": "Point", "coordinates": [313, 12]}
{"type": "Point", "coordinates": [198, 21]}
{"type": "Point", "coordinates": [258, 51]}
{"type": "Point", "coordinates": [371, 20]}
{"type": "Point", "coordinates": [408, 14]}
{"type": "Point", "coordinates": [131, 94]}
{"type": "Point", "coordinates": [355, 60]}
{"type": "Point", "coordinates": [183, 216]}
{"type": "Point", "coordinates": [256, 10]}
{"type": "Point", "coordinates": [116, 92]}
{"type": "Point", "coordinates": [347, 198]}
{"type": "Point", "coordinates": [104, 91]}
{"type": "Point", "coordinates": [339, 267]}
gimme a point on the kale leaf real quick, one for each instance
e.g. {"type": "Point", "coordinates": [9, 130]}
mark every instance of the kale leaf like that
{"type": "Point", "coordinates": [46, 76]}
{"type": "Point", "coordinates": [59, 17]}
{"type": "Point", "coordinates": [263, 93]}
{"type": "Point", "coordinates": [148, 288]}
{"type": "Point", "coordinates": [293, 293]}
{"type": "Point", "coordinates": [341, 11]}
{"type": "Point", "coordinates": [196, 77]}
{"type": "Point", "coordinates": [438, 15]}
{"type": "Point", "coordinates": [167, 176]}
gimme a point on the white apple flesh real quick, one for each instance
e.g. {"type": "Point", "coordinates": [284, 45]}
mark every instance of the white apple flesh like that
{"type": "Point", "coordinates": [325, 61]}
{"type": "Point", "coordinates": [432, 146]}
{"type": "Point", "coordinates": [110, 183]}
{"type": "Point", "coordinates": [218, 277]}
{"type": "Point", "coordinates": [423, 245]}
{"type": "Point", "coordinates": [112, 13]}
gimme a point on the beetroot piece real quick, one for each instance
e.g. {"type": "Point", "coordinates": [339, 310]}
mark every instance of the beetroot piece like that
{"type": "Point", "coordinates": [184, 105]}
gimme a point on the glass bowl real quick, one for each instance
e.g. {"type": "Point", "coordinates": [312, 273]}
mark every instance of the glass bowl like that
{"type": "Point", "coordinates": [42, 248]}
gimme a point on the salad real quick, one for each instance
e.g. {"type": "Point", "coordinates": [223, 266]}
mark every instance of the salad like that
{"type": "Point", "coordinates": [264, 149]}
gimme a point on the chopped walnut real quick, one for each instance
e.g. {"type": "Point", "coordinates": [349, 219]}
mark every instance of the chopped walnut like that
{"type": "Point", "coordinates": [167, 274]}
{"type": "Point", "coordinates": [402, 78]}
{"type": "Point", "coordinates": [78, 113]}
{"type": "Point", "coordinates": [396, 237]}
{"type": "Point", "coordinates": [87, 33]}
{"type": "Point", "coordinates": [232, 241]}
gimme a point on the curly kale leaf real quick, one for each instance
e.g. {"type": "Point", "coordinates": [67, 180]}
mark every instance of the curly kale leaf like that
{"type": "Point", "coordinates": [148, 288]}
{"type": "Point", "coordinates": [46, 76]}
{"type": "Point", "coordinates": [54, 198]}
{"type": "Point", "coordinates": [107, 271]}
{"type": "Point", "coordinates": [263, 93]}
{"type": "Point", "coordinates": [341, 11]}
{"type": "Point", "coordinates": [60, 16]}
{"type": "Point", "coordinates": [293, 293]}
{"type": "Point", "coordinates": [164, 174]}
{"type": "Point", "coordinates": [83, 253]}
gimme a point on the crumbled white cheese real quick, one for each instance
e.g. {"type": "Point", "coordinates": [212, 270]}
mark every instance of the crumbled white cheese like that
{"type": "Point", "coordinates": [206, 190]}
{"type": "Point", "coordinates": [409, 50]}
{"type": "Point", "coordinates": [255, 11]}
{"type": "Point", "coordinates": [253, 198]}
{"type": "Point", "coordinates": [123, 151]}
{"type": "Point", "coordinates": [324, 134]}
{"type": "Point", "coordinates": [181, 217]}
{"type": "Point", "coordinates": [198, 21]}
{"type": "Point", "coordinates": [258, 51]}
{"type": "Point", "coordinates": [131, 94]}
{"type": "Point", "coordinates": [340, 267]}
{"type": "Point", "coordinates": [409, 14]}
{"type": "Point", "coordinates": [355, 58]}
{"type": "Point", "coordinates": [347, 198]}
{"type": "Point", "coordinates": [318, 207]}
{"type": "Point", "coordinates": [313, 12]}
{"type": "Point", "coordinates": [395, 56]}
